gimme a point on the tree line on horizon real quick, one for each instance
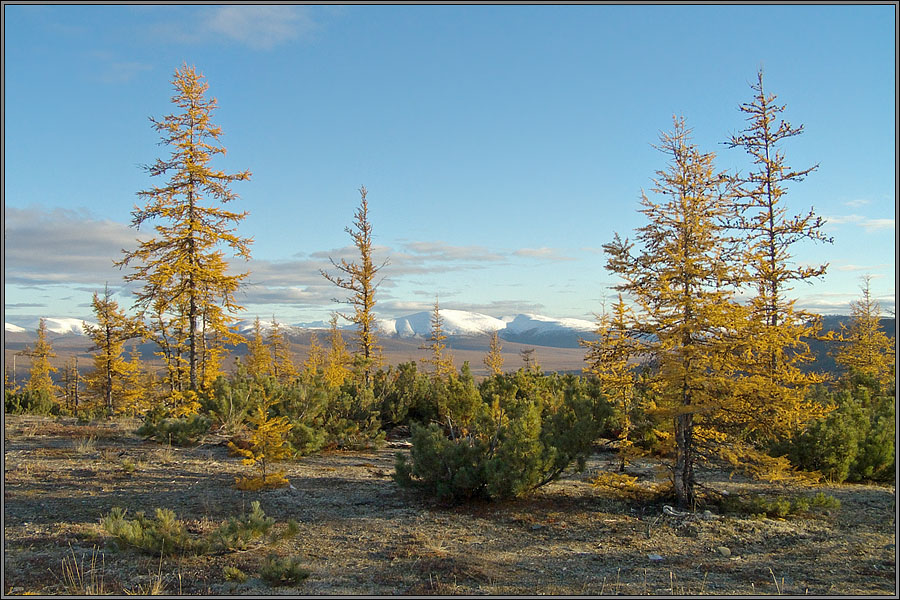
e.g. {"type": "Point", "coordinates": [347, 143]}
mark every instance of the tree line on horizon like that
{"type": "Point", "coordinates": [683, 368]}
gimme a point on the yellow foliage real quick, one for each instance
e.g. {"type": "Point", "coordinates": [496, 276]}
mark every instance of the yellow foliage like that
{"type": "Point", "coordinates": [258, 482]}
{"type": "Point", "coordinates": [187, 284]}
{"type": "Point", "coordinates": [184, 404]}
{"type": "Point", "coordinates": [441, 359]}
{"type": "Point", "coordinates": [267, 444]}
{"type": "Point", "coordinates": [359, 280]}
{"type": "Point", "coordinates": [493, 360]}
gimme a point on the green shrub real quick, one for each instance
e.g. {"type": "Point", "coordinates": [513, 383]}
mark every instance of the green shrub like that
{"type": "Point", "coordinates": [402, 393]}
{"type": "Point", "coordinates": [166, 536]}
{"type": "Point", "coordinates": [283, 571]}
{"type": "Point", "coordinates": [234, 574]}
{"type": "Point", "coordinates": [854, 442]}
{"type": "Point", "coordinates": [779, 507]}
{"type": "Point", "coordinates": [162, 536]}
{"type": "Point", "coordinates": [35, 402]}
{"type": "Point", "coordinates": [180, 431]}
{"type": "Point", "coordinates": [527, 429]}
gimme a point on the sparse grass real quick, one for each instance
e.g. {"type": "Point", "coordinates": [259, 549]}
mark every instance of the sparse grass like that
{"type": "Point", "coordinates": [79, 581]}
{"type": "Point", "coordinates": [361, 536]}
{"type": "Point", "coordinates": [164, 455]}
{"type": "Point", "coordinates": [85, 445]}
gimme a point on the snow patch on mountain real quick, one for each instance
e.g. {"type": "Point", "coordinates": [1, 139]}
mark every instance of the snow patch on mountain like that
{"type": "Point", "coordinates": [65, 325]}
{"type": "Point", "coordinates": [455, 322]}
{"type": "Point", "coordinates": [10, 328]}
{"type": "Point", "coordinates": [538, 324]}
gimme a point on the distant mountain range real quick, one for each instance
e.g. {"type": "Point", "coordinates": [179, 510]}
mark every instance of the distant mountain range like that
{"type": "Point", "coordinates": [556, 340]}
{"type": "Point", "coordinates": [459, 326]}
{"type": "Point", "coordinates": [522, 328]}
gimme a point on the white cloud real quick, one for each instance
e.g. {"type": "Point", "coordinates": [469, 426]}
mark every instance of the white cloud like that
{"type": "Point", "coordinates": [62, 246]}
{"type": "Point", "coordinates": [110, 69]}
{"type": "Point", "coordinates": [878, 224]}
{"type": "Point", "coordinates": [857, 203]}
{"type": "Point", "coordinates": [543, 253]}
{"type": "Point", "coordinates": [257, 26]}
{"type": "Point", "coordinates": [861, 267]}
{"type": "Point", "coordinates": [861, 221]}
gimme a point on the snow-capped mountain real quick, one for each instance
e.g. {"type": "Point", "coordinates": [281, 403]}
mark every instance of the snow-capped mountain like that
{"type": "Point", "coordinates": [57, 325]}
{"type": "Point", "coordinates": [455, 322]}
{"type": "Point", "coordinates": [523, 328]}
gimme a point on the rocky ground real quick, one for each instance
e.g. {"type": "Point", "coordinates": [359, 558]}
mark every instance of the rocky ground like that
{"type": "Point", "coordinates": [361, 534]}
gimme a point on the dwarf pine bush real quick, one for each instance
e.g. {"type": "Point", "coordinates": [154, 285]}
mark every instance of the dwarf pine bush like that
{"type": "Point", "coordinates": [854, 442]}
{"type": "Point", "coordinates": [527, 429]}
{"type": "Point", "coordinates": [165, 535]}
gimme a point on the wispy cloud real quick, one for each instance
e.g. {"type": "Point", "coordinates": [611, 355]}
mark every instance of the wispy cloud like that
{"type": "Point", "coordinates": [259, 27]}
{"type": "Point", "coordinates": [112, 69]}
{"type": "Point", "coordinates": [861, 267]}
{"type": "Point", "coordinates": [878, 224]}
{"type": "Point", "coordinates": [857, 202]}
{"type": "Point", "coordinates": [62, 246]}
{"type": "Point", "coordinates": [543, 253]}
{"type": "Point", "coordinates": [865, 222]}
{"type": "Point", "coordinates": [446, 252]}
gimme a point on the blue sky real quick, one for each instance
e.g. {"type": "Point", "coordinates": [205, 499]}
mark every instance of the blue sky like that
{"type": "Point", "coordinates": [502, 146]}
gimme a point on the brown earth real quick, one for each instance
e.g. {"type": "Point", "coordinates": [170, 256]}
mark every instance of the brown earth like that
{"type": "Point", "coordinates": [361, 534]}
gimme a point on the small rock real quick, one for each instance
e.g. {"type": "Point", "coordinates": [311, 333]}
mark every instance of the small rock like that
{"type": "Point", "coordinates": [708, 515]}
{"type": "Point", "coordinates": [536, 527]}
{"type": "Point", "coordinates": [654, 557]}
{"type": "Point", "coordinates": [724, 551]}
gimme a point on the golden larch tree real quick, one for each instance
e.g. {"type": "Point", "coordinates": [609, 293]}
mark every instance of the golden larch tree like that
{"type": "Point", "coordinates": [359, 278]}
{"type": "Point", "coordinates": [259, 360]}
{"type": "Point", "coordinates": [315, 358]}
{"type": "Point", "coordinates": [680, 280]}
{"type": "Point", "coordinates": [338, 358]}
{"type": "Point", "coordinates": [773, 381]}
{"type": "Point", "coordinates": [611, 358]}
{"type": "Point", "coordinates": [493, 360]}
{"type": "Point", "coordinates": [863, 347]}
{"type": "Point", "coordinates": [183, 268]}
{"type": "Point", "coordinates": [113, 329]}
{"type": "Point", "coordinates": [39, 375]}
{"type": "Point", "coordinates": [268, 444]}
{"type": "Point", "coordinates": [283, 367]}
{"type": "Point", "coordinates": [440, 358]}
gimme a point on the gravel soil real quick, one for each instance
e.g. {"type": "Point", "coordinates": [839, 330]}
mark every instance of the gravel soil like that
{"type": "Point", "coordinates": [360, 534]}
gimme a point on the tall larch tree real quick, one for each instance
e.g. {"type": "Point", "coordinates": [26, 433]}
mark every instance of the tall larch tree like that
{"type": "Point", "coordinates": [440, 359]}
{"type": "Point", "coordinates": [863, 347]}
{"type": "Point", "coordinates": [611, 358]}
{"type": "Point", "coordinates": [359, 279]}
{"type": "Point", "coordinates": [680, 279]}
{"type": "Point", "coordinates": [283, 367]}
{"type": "Point", "coordinates": [109, 335]}
{"type": "Point", "coordinates": [315, 358]}
{"type": "Point", "coordinates": [137, 385]}
{"type": "Point", "coordinates": [39, 375]}
{"type": "Point", "coordinates": [774, 381]}
{"type": "Point", "coordinates": [183, 268]}
{"type": "Point", "coordinates": [259, 360]}
{"type": "Point", "coordinates": [338, 358]}
{"type": "Point", "coordinates": [493, 360]}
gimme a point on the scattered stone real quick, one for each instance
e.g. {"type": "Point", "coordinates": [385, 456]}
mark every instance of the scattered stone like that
{"type": "Point", "coordinates": [724, 551]}
{"type": "Point", "coordinates": [536, 527]}
{"type": "Point", "coordinates": [655, 557]}
{"type": "Point", "coordinates": [708, 515]}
